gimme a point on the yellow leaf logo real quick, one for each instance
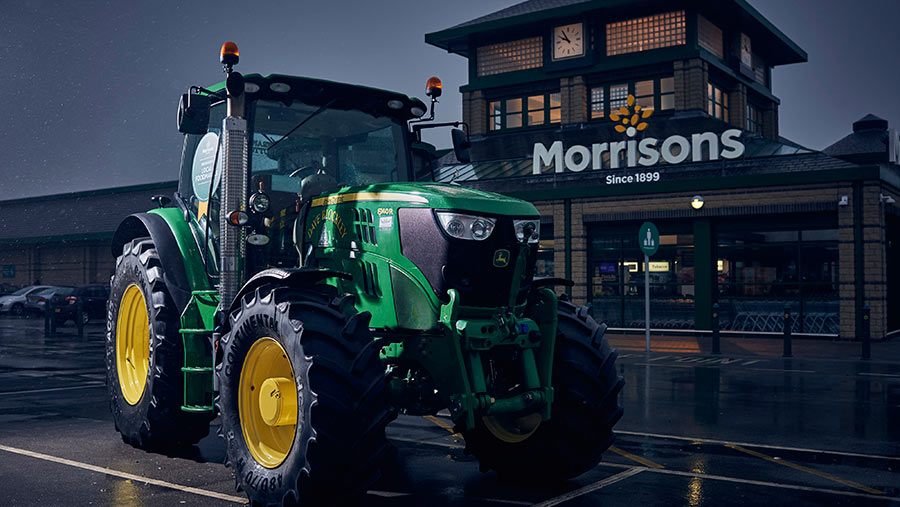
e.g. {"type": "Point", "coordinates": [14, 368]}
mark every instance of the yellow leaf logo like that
{"type": "Point", "coordinates": [630, 118]}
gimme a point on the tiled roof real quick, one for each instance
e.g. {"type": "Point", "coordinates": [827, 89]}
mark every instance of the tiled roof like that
{"type": "Point", "coordinates": [527, 7]}
{"type": "Point", "coordinates": [867, 144]}
{"type": "Point", "coordinates": [83, 214]}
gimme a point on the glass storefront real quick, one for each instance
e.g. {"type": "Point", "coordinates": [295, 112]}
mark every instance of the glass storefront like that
{"type": "Point", "coordinates": [617, 271]}
{"type": "Point", "coordinates": [760, 271]}
{"type": "Point", "coordinates": [757, 271]}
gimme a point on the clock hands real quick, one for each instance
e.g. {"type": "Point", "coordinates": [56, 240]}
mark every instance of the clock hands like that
{"type": "Point", "coordinates": [563, 36]}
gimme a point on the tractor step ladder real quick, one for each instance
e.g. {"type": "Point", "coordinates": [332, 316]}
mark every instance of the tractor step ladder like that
{"type": "Point", "coordinates": [196, 333]}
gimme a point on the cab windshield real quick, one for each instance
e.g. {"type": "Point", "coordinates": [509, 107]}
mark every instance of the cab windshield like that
{"type": "Point", "coordinates": [354, 147]}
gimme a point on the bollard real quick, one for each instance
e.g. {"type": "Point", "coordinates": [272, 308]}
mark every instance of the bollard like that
{"type": "Point", "coordinates": [715, 329]}
{"type": "Point", "coordinates": [46, 322]}
{"type": "Point", "coordinates": [49, 318]}
{"type": "Point", "coordinates": [866, 337]}
{"type": "Point", "coordinates": [787, 330]}
{"type": "Point", "coordinates": [79, 320]}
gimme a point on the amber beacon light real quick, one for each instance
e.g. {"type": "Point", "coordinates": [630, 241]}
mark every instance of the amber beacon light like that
{"type": "Point", "coordinates": [229, 54]}
{"type": "Point", "coordinates": [433, 87]}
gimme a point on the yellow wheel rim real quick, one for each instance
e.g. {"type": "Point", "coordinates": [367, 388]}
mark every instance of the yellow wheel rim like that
{"type": "Point", "coordinates": [133, 344]}
{"type": "Point", "coordinates": [267, 402]}
{"type": "Point", "coordinates": [512, 429]}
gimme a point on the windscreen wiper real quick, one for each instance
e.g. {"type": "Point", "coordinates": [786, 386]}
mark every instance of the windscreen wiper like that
{"type": "Point", "coordinates": [303, 122]}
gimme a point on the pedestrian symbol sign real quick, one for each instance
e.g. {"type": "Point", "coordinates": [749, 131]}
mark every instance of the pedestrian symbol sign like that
{"type": "Point", "coordinates": [648, 238]}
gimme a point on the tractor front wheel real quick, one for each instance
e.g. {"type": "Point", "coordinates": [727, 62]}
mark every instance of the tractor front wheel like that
{"type": "Point", "coordinates": [585, 408]}
{"type": "Point", "coordinates": [303, 398]}
{"type": "Point", "coordinates": [144, 355]}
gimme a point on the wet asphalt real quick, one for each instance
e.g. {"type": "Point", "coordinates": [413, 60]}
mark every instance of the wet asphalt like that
{"type": "Point", "coordinates": [698, 430]}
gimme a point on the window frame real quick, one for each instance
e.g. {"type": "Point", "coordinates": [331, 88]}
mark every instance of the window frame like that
{"type": "Point", "coordinates": [711, 101]}
{"type": "Point", "coordinates": [643, 25]}
{"type": "Point", "coordinates": [632, 89]}
{"type": "Point", "coordinates": [502, 113]}
{"type": "Point", "coordinates": [754, 118]}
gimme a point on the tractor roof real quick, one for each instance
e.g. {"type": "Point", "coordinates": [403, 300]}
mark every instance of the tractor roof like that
{"type": "Point", "coordinates": [313, 91]}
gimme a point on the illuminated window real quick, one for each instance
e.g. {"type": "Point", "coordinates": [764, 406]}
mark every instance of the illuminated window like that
{"type": "Point", "coordinates": [510, 56]}
{"type": "Point", "coordinates": [649, 94]}
{"type": "Point", "coordinates": [618, 96]}
{"type": "Point", "coordinates": [754, 118]}
{"type": "Point", "coordinates": [513, 113]}
{"type": "Point", "coordinates": [711, 37]}
{"type": "Point", "coordinates": [643, 34]}
{"type": "Point", "coordinates": [495, 115]}
{"type": "Point", "coordinates": [643, 94]}
{"type": "Point", "coordinates": [717, 102]}
{"type": "Point", "coordinates": [598, 102]}
{"type": "Point", "coordinates": [531, 110]}
{"type": "Point", "coordinates": [667, 93]}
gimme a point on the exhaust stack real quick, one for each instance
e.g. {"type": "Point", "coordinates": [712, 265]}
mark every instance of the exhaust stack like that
{"type": "Point", "coordinates": [232, 243]}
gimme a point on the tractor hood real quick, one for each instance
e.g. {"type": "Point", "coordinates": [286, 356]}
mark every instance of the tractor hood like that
{"type": "Point", "coordinates": [435, 195]}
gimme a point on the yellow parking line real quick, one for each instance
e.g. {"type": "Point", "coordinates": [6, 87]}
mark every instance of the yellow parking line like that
{"type": "Point", "coordinates": [802, 468]}
{"type": "Point", "coordinates": [634, 457]}
{"type": "Point", "coordinates": [442, 424]}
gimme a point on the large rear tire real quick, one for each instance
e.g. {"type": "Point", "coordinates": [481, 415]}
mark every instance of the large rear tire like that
{"type": "Point", "coordinates": [144, 355]}
{"type": "Point", "coordinates": [303, 399]}
{"type": "Point", "coordinates": [584, 411]}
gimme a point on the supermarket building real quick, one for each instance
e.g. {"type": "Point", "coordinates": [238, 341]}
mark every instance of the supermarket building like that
{"type": "Point", "coordinates": [609, 113]}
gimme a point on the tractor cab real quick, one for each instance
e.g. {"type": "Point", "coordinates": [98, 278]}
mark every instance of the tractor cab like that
{"type": "Point", "coordinates": [332, 135]}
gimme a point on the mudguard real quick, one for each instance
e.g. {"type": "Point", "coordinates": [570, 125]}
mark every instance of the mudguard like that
{"type": "Point", "coordinates": [176, 247]}
{"type": "Point", "coordinates": [300, 277]}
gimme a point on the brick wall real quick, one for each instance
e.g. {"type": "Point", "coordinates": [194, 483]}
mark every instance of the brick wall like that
{"type": "Point", "coordinates": [573, 99]}
{"type": "Point", "coordinates": [475, 112]}
{"type": "Point", "coordinates": [59, 263]}
{"type": "Point", "coordinates": [737, 106]}
{"type": "Point", "coordinates": [691, 77]}
{"type": "Point", "coordinates": [770, 122]}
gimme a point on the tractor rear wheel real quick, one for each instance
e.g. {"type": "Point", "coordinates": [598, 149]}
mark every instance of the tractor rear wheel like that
{"type": "Point", "coordinates": [584, 411]}
{"type": "Point", "coordinates": [303, 398]}
{"type": "Point", "coordinates": [144, 355]}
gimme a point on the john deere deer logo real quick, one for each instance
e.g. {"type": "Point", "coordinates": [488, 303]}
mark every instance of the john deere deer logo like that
{"type": "Point", "coordinates": [501, 258]}
{"type": "Point", "coordinates": [631, 118]}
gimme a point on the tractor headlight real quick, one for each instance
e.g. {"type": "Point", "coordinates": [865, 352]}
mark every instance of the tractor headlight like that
{"type": "Point", "coordinates": [259, 202]}
{"type": "Point", "coordinates": [466, 226]}
{"type": "Point", "coordinates": [528, 230]}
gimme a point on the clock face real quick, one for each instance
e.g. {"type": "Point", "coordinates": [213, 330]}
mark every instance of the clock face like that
{"type": "Point", "coordinates": [568, 41]}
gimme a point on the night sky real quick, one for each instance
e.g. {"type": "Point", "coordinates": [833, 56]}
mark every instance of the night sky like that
{"type": "Point", "coordinates": [89, 88]}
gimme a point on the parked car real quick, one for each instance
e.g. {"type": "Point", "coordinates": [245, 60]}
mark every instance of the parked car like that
{"type": "Point", "coordinates": [37, 301]}
{"type": "Point", "coordinates": [7, 288]}
{"type": "Point", "coordinates": [15, 303]}
{"type": "Point", "coordinates": [93, 304]}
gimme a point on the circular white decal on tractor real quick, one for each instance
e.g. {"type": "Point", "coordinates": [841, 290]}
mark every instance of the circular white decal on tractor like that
{"type": "Point", "coordinates": [202, 169]}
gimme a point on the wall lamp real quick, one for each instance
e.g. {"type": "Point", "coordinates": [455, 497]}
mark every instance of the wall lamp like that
{"type": "Point", "coordinates": [845, 201]}
{"type": "Point", "coordinates": [886, 199]}
{"type": "Point", "coordinates": [697, 202]}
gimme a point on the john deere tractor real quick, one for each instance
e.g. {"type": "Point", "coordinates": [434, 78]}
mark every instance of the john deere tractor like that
{"type": "Point", "coordinates": [308, 281]}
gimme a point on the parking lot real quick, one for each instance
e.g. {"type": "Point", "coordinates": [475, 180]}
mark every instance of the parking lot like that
{"type": "Point", "coordinates": [697, 430]}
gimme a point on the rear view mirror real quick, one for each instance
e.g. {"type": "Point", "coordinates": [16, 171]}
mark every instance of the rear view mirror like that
{"type": "Point", "coordinates": [193, 114]}
{"type": "Point", "coordinates": [461, 145]}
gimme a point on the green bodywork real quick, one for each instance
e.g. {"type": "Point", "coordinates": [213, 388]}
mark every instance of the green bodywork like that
{"type": "Point", "coordinates": [437, 352]}
{"type": "Point", "coordinates": [197, 317]}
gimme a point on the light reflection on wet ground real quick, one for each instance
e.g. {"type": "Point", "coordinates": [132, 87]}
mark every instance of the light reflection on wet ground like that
{"type": "Point", "coordinates": [694, 422]}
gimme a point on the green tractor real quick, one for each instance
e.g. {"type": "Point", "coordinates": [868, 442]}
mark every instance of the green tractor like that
{"type": "Point", "coordinates": [306, 285]}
